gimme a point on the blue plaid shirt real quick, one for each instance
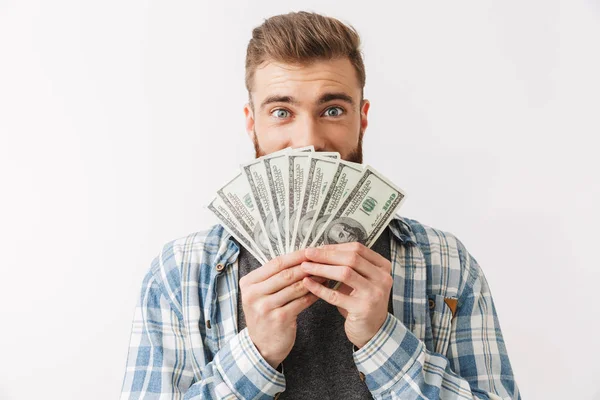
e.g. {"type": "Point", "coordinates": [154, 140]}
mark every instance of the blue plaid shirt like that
{"type": "Point", "coordinates": [443, 340]}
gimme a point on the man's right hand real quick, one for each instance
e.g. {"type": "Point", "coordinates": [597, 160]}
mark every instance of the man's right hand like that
{"type": "Point", "coordinates": [272, 297]}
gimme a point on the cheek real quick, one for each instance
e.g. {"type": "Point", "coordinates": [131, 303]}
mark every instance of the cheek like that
{"type": "Point", "coordinates": [271, 138]}
{"type": "Point", "coordinates": [343, 137]}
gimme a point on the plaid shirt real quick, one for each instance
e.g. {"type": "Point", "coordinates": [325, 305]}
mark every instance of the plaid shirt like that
{"type": "Point", "coordinates": [443, 339]}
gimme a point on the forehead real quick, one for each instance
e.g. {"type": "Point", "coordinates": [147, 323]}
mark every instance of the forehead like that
{"type": "Point", "coordinates": [305, 81]}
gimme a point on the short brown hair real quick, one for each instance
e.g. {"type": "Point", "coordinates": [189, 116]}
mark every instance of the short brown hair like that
{"type": "Point", "coordinates": [302, 37]}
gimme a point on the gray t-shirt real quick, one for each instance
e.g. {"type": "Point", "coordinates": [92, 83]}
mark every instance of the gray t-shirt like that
{"type": "Point", "coordinates": [320, 365]}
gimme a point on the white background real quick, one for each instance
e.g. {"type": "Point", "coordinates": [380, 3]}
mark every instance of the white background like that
{"type": "Point", "coordinates": [120, 119]}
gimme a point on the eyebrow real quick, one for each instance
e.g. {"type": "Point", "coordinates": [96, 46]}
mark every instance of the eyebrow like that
{"type": "Point", "coordinates": [325, 98]}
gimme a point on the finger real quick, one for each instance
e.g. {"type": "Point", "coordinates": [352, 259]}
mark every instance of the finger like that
{"type": "Point", "coordinates": [333, 297]}
{"type": "Point", "coordinates": [368, 254]}
{"type": "Point", "coordinates": [280, 280]}
{"type": "Point", "coordinates": [290, 293]}
{"type": "Point", "coordinates": [295, 307]}
{"type": "Point", "coordinates": [335, 256]}
{"type": "Point", "coordinates": [274, 266]}
{"type": "Point", "coordinates": [339, 273]}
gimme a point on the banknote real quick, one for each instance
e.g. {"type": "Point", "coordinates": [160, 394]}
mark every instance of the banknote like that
{"type": "Point", "coordinates": [277, 179]}
{"type": "Point", "coordinates": [256, 175]}
{"type": "Point", "coordinates": [297, 161]}
{"type": "Point", "coordinates": [237, 197]}
{"type": "Point", "coordinates": [365, 212]}
{"type": "Point", "coordinates": [298, 164]}
{"type": "Point", "coordinates": [233, 226]}
{"type": "Point", "coordinates": [345, 178]}
{"type": "Point", "coordinates": [321, 171]}
{"type": "Point", "coordinates": [297, 198]}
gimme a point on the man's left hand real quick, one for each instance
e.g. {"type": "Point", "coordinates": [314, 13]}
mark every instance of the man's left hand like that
{"type": "Point", "coordinates": [364, 293]}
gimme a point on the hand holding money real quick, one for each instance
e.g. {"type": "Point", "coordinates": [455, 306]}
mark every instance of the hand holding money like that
{"type": "Point", "coordinates": [366, 282]}
{"type": "Point", "coordinates": [272, 298]}
{"type": "Point", "coordinates": [298, 198]}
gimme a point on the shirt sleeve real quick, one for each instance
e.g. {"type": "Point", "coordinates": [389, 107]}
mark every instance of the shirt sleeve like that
{"type": "Point", "coordinates": [397, 364]}
{"type": "Point", "coordinates": [159, 366]}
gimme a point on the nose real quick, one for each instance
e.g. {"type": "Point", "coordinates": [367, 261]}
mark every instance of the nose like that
{"type": "Point", "coordinates": [309, 133]}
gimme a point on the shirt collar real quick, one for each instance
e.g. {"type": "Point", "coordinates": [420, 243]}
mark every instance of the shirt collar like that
{"type": "Point", "coordinates": [400, 227]}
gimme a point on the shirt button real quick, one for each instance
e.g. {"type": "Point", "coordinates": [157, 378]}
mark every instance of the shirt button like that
{"type": "Point", "coordinates": [361, 375]}
{"type": "Point", "coordinates": [208, 324]}
{"type": "Point", "coordinates": [277, 395]}
{"type": "Point", "coordinates": [431, 304]}
{"type": "Point", "coordinates": [220, 267]}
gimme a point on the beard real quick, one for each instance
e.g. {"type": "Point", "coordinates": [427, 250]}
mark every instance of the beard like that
{"type": "Point", "coordinates": [356, 155]}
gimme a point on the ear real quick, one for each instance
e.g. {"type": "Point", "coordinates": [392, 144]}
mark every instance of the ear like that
{"type": "Point", "coordinates": [249, 121]}
{"type": "Point", "coordinates": [364, 111]}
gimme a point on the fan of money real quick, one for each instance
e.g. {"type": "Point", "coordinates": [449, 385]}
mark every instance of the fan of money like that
{"type": "Point", "coordinates": [297, 198]}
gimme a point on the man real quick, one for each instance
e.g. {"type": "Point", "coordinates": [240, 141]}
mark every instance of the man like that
{"type": "Point", "coordinates": [413, 319]}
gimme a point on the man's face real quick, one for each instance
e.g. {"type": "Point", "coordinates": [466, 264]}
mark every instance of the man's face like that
{"type": "Point", "coordinates": [299, 105]}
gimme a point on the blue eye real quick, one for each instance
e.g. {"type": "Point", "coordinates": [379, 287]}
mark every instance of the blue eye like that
{"type": "Point", "coordinates": [336, 114]}
{"type": "Point", "coordinates": [280, 113]}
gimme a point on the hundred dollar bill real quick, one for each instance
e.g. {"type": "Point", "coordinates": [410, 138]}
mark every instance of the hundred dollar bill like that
{"type": "Point", "coordinates": [345, 178]}
{"type": "Point", "coordinates": [258, 180]}
{"type": "Point", "coordinates": [237, 197]}
{"type": "Point", "coordinates": [296, 175]}
{"type": "Point", "coordinates": [321, 171]}
{"type": "Point", "coordinates": [298, 164]}
{"type": "Point", "coordinates": [229, 222]}
{"type": "Point", "coordinates": [365, 212]}
{"type": "Point", "coordinates": [277, 172]}
{"type": "Point", "coordinates": [277, 178]}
